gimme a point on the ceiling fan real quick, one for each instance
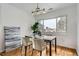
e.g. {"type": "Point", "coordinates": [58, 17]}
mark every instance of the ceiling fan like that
{"type": "Point", "coordinates": [39, 11]}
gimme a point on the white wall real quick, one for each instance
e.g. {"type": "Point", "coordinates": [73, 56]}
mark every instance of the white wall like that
{"type": "Point", "coordinates": [0, 15]}
{"type": "Point", "coordinates": [12, 16]}
{"type": "Point", "coordinates": [67, 39]}
{"type": "Point", "coordinates": [1, 32]}
{"type": "Point", "coordinates": [78, 29]}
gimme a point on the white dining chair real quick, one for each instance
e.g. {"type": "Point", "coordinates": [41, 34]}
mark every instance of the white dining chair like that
{"type": "Point", "coordinates": [39, 45]}
{"type": "Point", "coordinates": [26, 42]}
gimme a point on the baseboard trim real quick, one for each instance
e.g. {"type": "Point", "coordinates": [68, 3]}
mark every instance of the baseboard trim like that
{"type": "Point", "coordinates": [65, 47]}
{"type": "Point", "coordinates": [76, 52]}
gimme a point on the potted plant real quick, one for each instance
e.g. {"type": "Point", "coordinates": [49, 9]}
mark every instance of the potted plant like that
{"type": "Point", "coordinates": [35, 29]}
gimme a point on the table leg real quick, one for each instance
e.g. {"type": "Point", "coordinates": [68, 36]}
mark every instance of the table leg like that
{"type": "Point", "coordinates": [25, 50]}
{"type": "Point", "coordinates": [50, 48]}
{"type": "Point", "coordinates": [55, 46]}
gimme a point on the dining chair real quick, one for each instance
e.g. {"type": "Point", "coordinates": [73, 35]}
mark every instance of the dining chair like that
{"type": "Point", "coordinates": [38, 45]}
{"type": "Point", "coordinates": [26, 42]}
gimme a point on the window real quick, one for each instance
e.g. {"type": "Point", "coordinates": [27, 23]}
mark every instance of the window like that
{"type": "Point", "coordinates": [50, 25]}
{"type": "Point", "coordinates": [57, 24]}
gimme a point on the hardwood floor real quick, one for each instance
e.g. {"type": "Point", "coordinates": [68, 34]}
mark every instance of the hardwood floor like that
{"type": "Point", "coordinates": [61, 51]}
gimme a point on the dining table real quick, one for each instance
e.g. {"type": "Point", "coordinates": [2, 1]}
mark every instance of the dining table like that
{"type": "Point", "coordinates": [49, 39]}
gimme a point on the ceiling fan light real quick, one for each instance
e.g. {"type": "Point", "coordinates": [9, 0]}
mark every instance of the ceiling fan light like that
{"type": "Point", "coordinates": [39, 11]}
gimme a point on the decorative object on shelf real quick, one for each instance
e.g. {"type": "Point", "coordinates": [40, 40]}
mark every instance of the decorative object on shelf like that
{"type": "Point", "coordinates": [35, 29]}
{"type": "Point", "coordinates": [12, 38]}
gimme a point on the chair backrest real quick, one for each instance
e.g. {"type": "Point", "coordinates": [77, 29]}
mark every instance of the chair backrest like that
{"type": "Point", "coordinates": [37, 43]}
{"type": "Point", "coordinates": [25, 40]}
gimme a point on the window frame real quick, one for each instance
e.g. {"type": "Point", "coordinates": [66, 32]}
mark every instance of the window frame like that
{"type": "Point", "coordinates": [56, 21]}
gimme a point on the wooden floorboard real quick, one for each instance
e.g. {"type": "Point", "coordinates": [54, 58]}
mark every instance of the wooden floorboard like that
{"type": "Point", "coordinates": [61, 51]}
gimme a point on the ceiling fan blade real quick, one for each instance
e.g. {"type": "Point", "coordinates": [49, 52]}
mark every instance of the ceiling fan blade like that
{"type": "Point", "coordinates": [49, 10]}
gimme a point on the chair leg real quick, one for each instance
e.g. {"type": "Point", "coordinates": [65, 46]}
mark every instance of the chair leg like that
{"type": "Point", "coordinates": [32, 51]}
{"type": "Point", "coordinates": [40, 53]}
{"type": "Point", "coordinates": [29, 47]}
{"type": "Point", "coordinates": [4, 53]}
{"type": "Point", "coordinates": [46, 49]}
{"type": "Point", "coordinates": [21, 50]}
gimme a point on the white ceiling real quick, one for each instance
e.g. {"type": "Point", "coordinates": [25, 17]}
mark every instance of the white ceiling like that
{"type": "Point", "coordinates": [31, 6]}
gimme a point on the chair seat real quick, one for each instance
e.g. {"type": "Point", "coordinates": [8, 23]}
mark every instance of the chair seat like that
{"type": "Point", "coordinates": [28, 43]}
